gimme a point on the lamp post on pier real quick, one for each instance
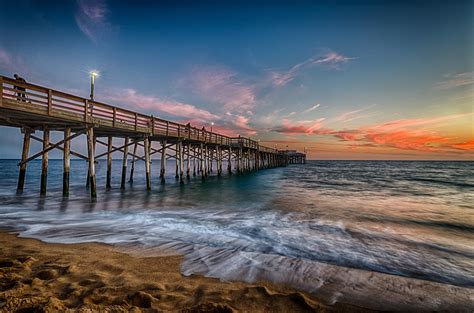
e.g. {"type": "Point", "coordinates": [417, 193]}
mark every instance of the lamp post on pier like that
{"type": "Point", "coordinates": [93, 75]}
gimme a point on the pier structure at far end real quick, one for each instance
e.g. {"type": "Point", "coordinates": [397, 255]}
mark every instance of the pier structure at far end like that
{"type": "Point", "coordinates": [195, 151]}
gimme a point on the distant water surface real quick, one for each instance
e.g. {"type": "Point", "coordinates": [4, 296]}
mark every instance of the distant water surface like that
{"type": "Point", "coordinates": [412, 219]}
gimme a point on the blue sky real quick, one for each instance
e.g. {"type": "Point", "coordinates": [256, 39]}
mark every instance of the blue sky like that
{"type": "Point", "coordinates": [345, 79]}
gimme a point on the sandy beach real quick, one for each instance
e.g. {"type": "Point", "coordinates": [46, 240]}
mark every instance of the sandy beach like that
{"type": "Point", "coordinates": [43, 277]}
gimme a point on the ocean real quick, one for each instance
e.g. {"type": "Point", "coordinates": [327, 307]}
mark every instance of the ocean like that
{"type": "Point", "coordinates": [308, 226]}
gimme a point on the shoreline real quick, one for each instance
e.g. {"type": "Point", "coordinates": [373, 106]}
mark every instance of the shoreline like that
{"type": "Point", "coordinates": [53, 277]}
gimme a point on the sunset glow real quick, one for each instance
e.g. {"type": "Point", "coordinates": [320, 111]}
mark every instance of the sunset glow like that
{"type": "Point", "coordinates": [314, 82]}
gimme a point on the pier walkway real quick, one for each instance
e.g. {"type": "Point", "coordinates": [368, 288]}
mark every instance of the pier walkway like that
{"type": "Point", "coordinates": [31, 107]}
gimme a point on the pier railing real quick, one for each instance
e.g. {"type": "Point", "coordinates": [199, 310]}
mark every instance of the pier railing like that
{"type": "Point", "coordinates": [40, 100]}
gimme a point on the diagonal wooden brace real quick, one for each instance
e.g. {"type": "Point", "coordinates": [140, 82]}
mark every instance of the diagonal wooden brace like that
{"type": "Point", "coordinates": [51, 147]}
{"type": "Point", "coordinates": [81, 156]}
{"type": "Point", "coordinates": [119, 149]}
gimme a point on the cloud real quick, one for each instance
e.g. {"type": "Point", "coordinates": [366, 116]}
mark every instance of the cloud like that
{"type": "Point", "coordinates": [468, 145]}
{"type": "Point", "coordinates": [354, 115]}
{"type": "Point", "coordinates": [314, 107]}
{"type": "Point", "coordinates": [456, 80]}
{"type": "Point", "coordinates": [404, 134]}
{"type": "Point", "coordinates": [408, 139]}
{"type": "Point", "coordinates": [12, 64]}
{"type": "Point", "coordinates": [91, 18]}
{"type": "Point", "coordinates": [220, 85]}
{"type": "Point", "coordinates": [404, 123]}
{"type": "Point", "coordinates": [300, 127]}
{"type": "Point", "coordinates": [331, 59]}
{"type": "Point", "coordinates": [400, 134]}
{"type": "Point", "coordinates": [132, 97]}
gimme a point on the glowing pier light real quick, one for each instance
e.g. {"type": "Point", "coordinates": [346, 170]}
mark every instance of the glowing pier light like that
{"type": "Point", "coordinates": [93, 75]}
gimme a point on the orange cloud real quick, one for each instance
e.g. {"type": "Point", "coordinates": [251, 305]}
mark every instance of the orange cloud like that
{"type": "Point", "coordinates": [404, 134]}
{"type": "Point", "coordinates": [468, 145]}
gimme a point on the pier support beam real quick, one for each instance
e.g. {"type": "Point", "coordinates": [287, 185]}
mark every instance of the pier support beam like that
{"type": "Point", "coordinates": [132, 169]}
{"type": "Point", "coordinates": [211, 158]}
{"type": "Point", "coordinates": [188, 161]}
{"type": "Point", "coordinates": [66, 161]}
{"type": "Point", "coordinates": [180, 161]}
{"type": "Point", "coordinates": [239, 161]}
{"type": "Point", "coordinates": [24, 156]}
{"type": "Point", "coordinates": [163, 161]}
{"type": "Point", "coordinates": [194, 161]}
{"type": "Point", "coordinates": [147, 162]}
{"type": "Point", "coordinates": [201, 161]}
{"type": "Point", "coordinates": [91, 152]}
{"type": "Point", "coordinates": [94, 139]}
{"type": "Point", "coordinates": [219, 161]}
{"type": "Point", "coordinates": [124, 163]}
{"type": "Point", "coordinates": [176, 158]}
{"type": "Point", "coordinates": [229, 161]}
{"type": "Point", "coordinates": [44, 162]}
{"type": "Point", "coordinates": [108, 183]}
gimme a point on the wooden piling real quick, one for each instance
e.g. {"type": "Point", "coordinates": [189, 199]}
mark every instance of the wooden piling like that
{"type": "Point", "coordinates": [211, 159]}
{"type": "Point", "coordinates": [124, 163]}
{"type": "Point", "coordinates": [180, 161]}
{"type": "Point", "coordinates": [229, 161]}
{"type": "Point", "coordinates": [201, 161]}
{"type": "Point", "coordinates": [163, 161]}
{"type": "Point", "coordinates": [206, 160]}
{"type": "Point", "coordinates": [147, 163]}
{"type": "Point", "coordinates": [88, 173]}
{"type": "Point", "coordinates": [66, 161]}
{"type": "Point", "coordinates": [108, 183]}
{"type": "Point", "coordinates": [219, 159]}
{"type": "Point", "coordinates": [188, 161]}
{"type": "Point", "coordinates": [176, 158]}
{"type": "Point", "coordinates": [194, 161]}
{"type": "Point", "coordinates": [91, 153]}
{"type": "Point", "coordinates": [239, 160]}
{"type": "Point", "coordinates": [44, 162]}
{"type": "Point", "coordinates": [24, 156]}
{"type": "Point", "coordinates": [132, 168]}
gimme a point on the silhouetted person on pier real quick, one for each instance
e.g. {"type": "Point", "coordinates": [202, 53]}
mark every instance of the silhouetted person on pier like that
{"type": "Point", "coordinates": [21, 96]}
{"type": "Point", "coordinates": [188, 129]}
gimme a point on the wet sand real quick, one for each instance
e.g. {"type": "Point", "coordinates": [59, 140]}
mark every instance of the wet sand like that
{"type": "Point", "coordinates": [43, 277]}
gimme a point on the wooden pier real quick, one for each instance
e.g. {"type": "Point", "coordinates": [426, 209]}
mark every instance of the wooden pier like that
{"type": "Point", "coordinates": [196, 151]}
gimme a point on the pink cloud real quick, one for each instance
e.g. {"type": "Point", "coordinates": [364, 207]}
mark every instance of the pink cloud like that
{"type": "Point", "coordinates": [131, 97]}
{"type": "Point", "coordinates": [346, 135]}
{"type": "Point", "coordinates": [222, 86]}
{"type": "Point", "coordinates": [239, 123]}
{"type": "Point", "coordinates": [301, 127]}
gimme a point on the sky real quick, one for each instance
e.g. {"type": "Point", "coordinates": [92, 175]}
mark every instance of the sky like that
{"type": "Point", "coordinates": [338, 79]}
